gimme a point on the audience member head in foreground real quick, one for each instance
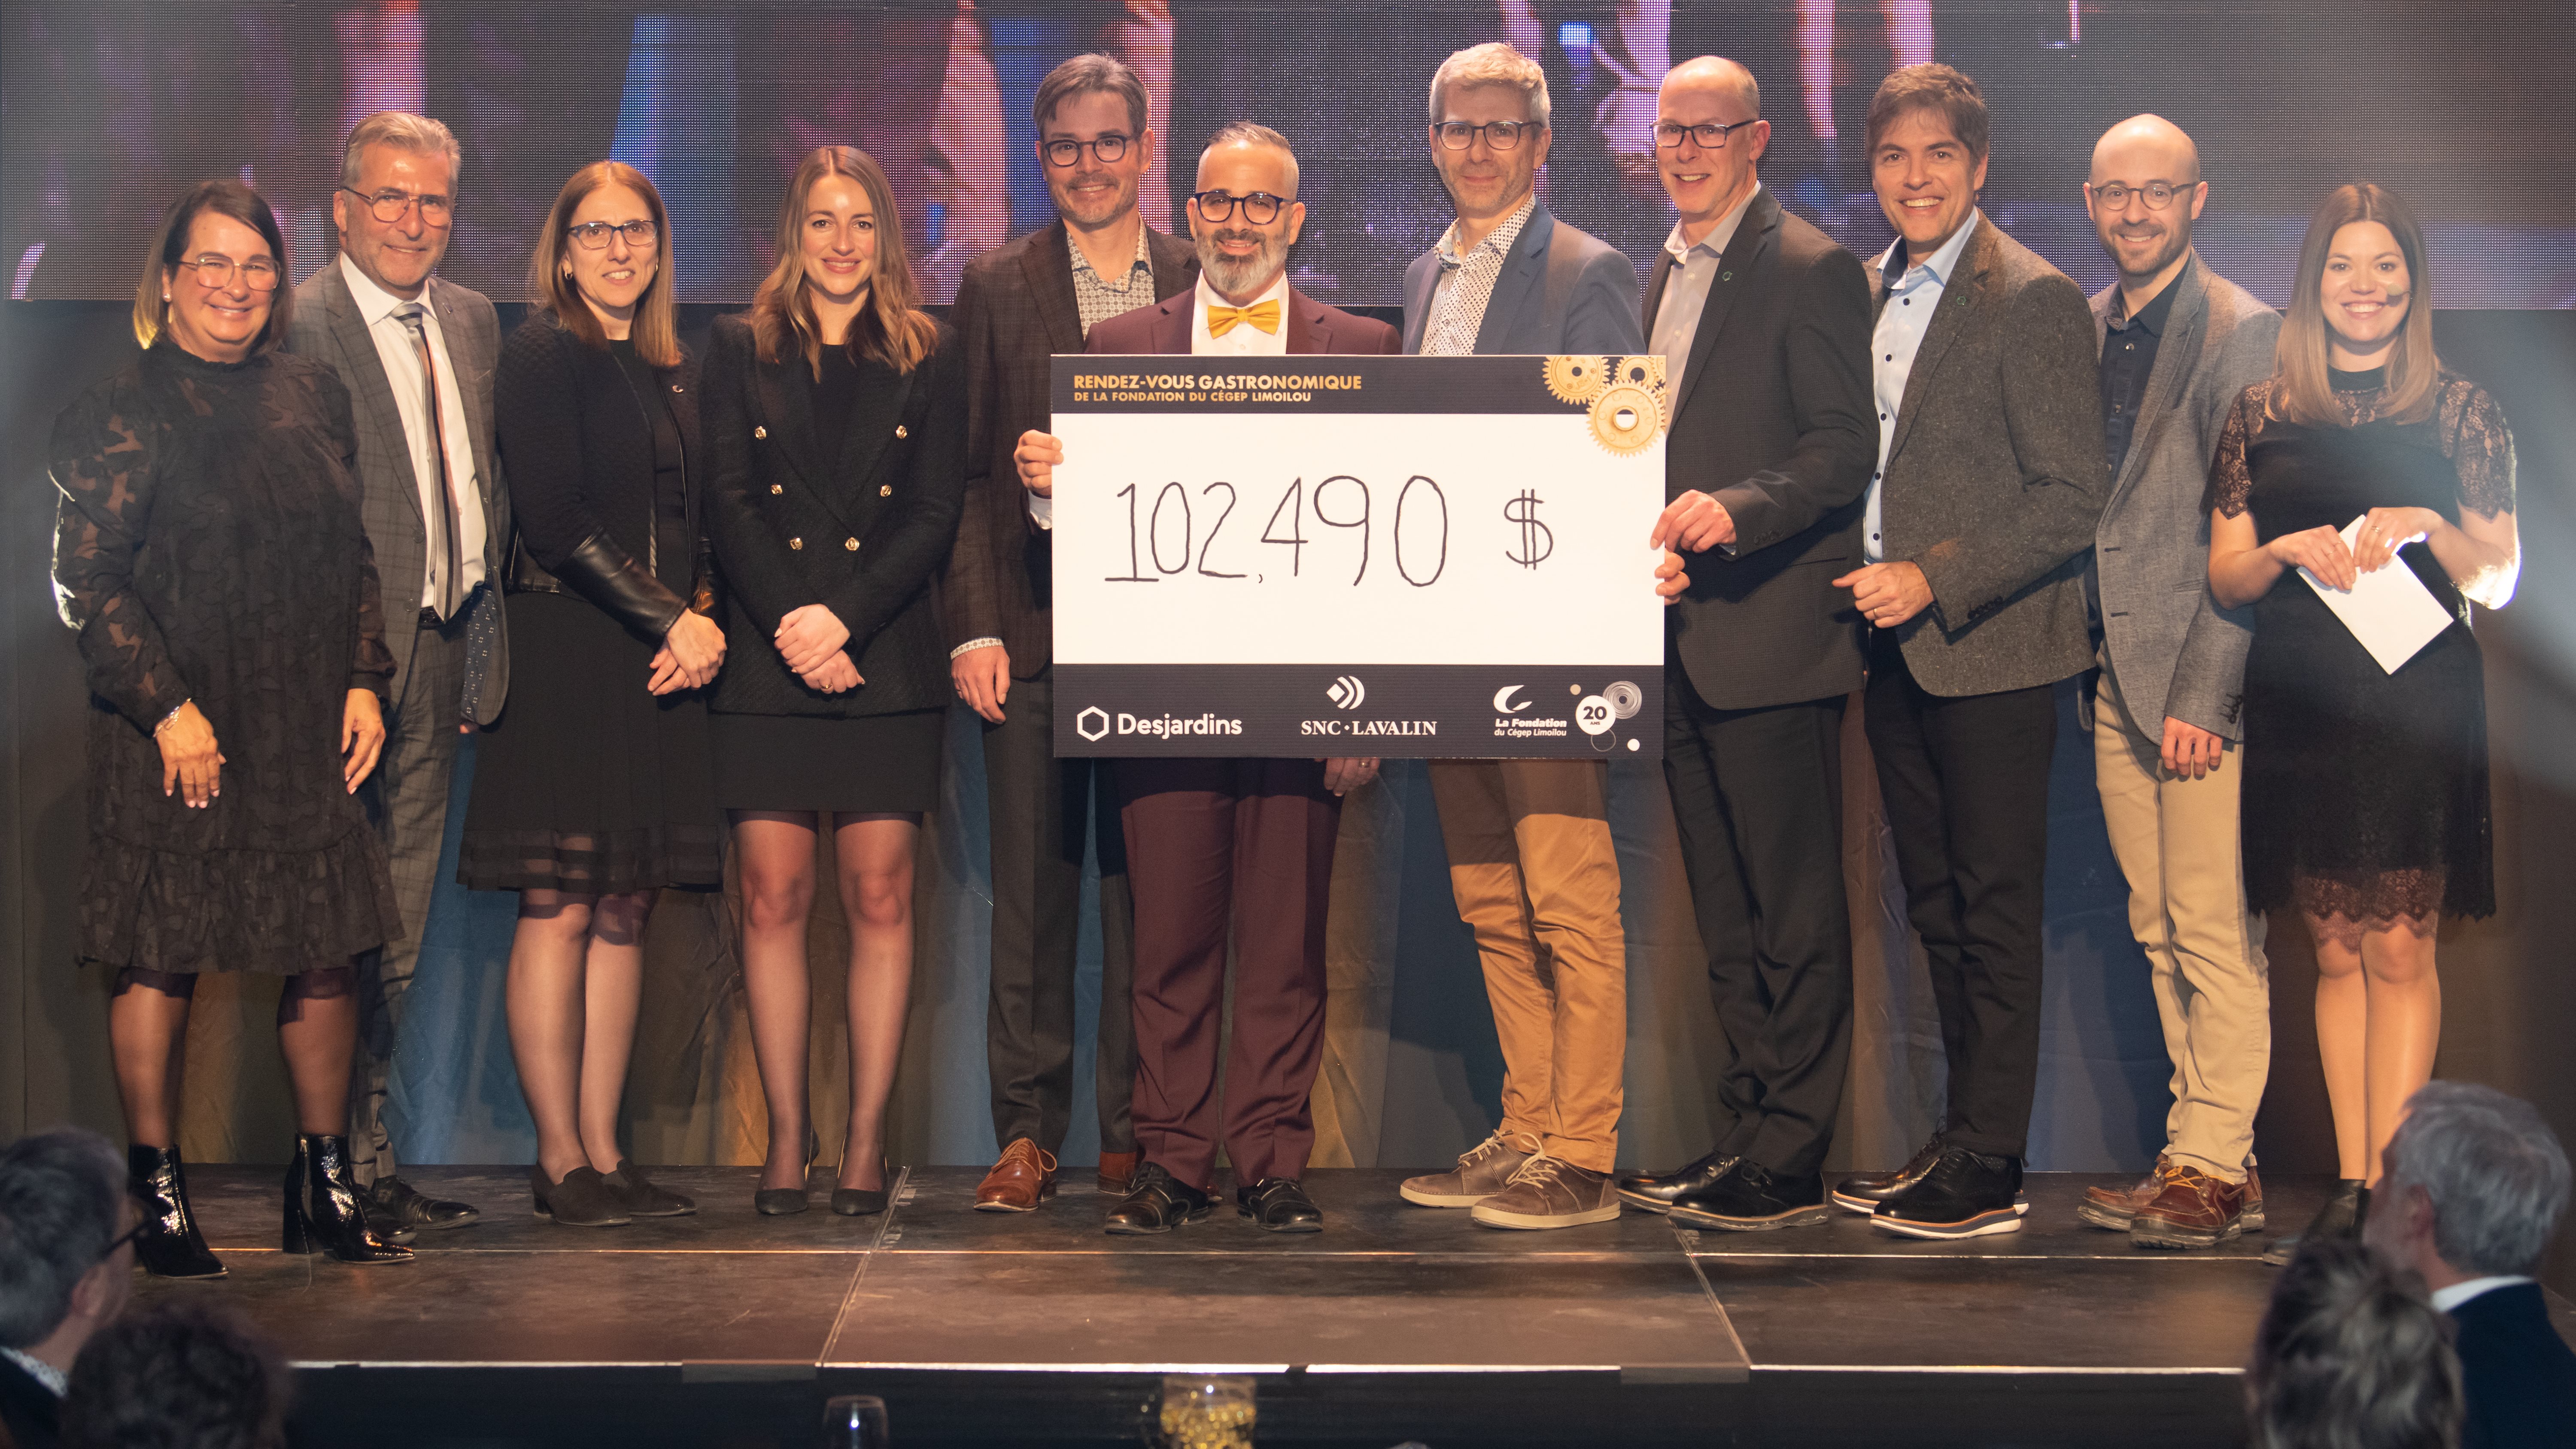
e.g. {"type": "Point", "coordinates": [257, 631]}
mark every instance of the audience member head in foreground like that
{"type": "Point", "coordinates": [66, 1266]}
{"type": "Point", "coordinates": [180, 1376]}
{"type": "Point", "coordinates": [2350, 1356]}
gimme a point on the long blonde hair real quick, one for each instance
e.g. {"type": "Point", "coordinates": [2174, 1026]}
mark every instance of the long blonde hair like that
{"type": "Point", "coordinates": [2301, 391]}
{"type": "Point", "coordinates": [656, 332]}
{"type": "Point", "coordinates": [890, 327]}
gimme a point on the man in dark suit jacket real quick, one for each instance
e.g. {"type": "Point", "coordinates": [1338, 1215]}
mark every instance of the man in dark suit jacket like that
{"type": "Point", "coordinates": [1531, 861]}
{"type": "Point", "coordinates": [2471, 1186]}
{"type": "Point", "coordinates": [1018, 305]}
{"type": "Point", "coordinates": [1977, 528]}
{"type": "Point", "coordinates": [1218, 848]}
{"type": "Point", "coordinates": [67, 1270]}
{"type": "Point", "coordinates": [439, 521]}
{"type": "Point", "coordinates": [1763, 322]}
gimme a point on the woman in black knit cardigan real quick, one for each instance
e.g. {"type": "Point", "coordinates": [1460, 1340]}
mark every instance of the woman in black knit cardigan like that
{"type": "Point", "coordinates": [594, 790]}
{"type": "Point", "coordinates": [836, 422]}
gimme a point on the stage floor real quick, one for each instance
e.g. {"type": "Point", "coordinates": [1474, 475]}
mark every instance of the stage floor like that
{"type": "Point", "coordinates": [1395, 1322]}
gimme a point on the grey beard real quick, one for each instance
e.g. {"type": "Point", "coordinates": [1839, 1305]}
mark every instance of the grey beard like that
{"type": "Point", "coordinates": [1236, 277]}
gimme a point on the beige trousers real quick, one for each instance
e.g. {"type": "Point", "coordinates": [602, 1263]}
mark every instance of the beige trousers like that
{"type": "Point", "coordinates": [2177, 840]}
{"type": "Point", "coordinates": [1536, 878]}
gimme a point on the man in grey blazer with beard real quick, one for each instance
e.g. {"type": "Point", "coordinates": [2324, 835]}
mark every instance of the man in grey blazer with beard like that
{"type": "Point", "coordinates": [2178, 344]}
{"type": "Point", "coordinates": [1978, 528]}
{"type": "Point", "coordinates": [416, 354]}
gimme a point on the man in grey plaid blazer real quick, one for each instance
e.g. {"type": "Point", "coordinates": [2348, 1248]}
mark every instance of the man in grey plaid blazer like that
{"type": "Point", "coordinates": [416, 354]}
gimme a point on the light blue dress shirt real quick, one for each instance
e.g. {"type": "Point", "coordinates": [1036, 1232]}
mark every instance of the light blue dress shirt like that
{"type": "Point", "coordinates": [1911, 301]}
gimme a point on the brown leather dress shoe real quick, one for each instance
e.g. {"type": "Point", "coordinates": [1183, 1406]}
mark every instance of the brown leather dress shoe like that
{"type": "Point", "coordinates": [2252, 1216]}
{"type": "Point", "coordinates": [1023, 1178]}
{"type": "Point", "coordinates": [2193, 1210]}
{"type": "Point", "coordinates": [1118, 1171]}
{"type": "Point", "coordinates": [2112, 1208]}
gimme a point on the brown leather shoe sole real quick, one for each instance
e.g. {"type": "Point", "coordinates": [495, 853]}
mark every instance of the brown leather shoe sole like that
{"type": "Point", "coordinates": [996, 1200]}
{"type": "Point", "coordinates": [2153, 1230]}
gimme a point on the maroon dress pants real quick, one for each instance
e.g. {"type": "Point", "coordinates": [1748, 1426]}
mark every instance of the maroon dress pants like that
{"type": "Point", "coordinates": [1213, 844]}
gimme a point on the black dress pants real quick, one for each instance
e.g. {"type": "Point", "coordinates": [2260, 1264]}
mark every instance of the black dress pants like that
{"type": "Point", "coordinates": [1042, 810]}
{"type": "Point", "coordinates": [1964, 781]}
{"type": "Point", "coordinates": [1757, 795]}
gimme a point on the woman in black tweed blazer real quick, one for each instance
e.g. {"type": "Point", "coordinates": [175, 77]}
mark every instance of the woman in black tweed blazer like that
{"type": "Point", "coordinates": [592, 791]}
{"type": "Point", "coordinates": [836, 430]}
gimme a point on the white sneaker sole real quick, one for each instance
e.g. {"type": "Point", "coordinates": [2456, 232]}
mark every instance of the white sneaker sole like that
{"type": "Point", "coordinates": [1865, 1207]}
{"type": "Point", "coordinates": [1497, 1218]}
{"type": "Point", "coordinates": [1980, 1226]}
{"type": "Point", "coordinates": [1420, 1198]}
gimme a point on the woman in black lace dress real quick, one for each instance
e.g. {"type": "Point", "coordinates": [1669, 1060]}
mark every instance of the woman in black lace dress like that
{"type": "Point", "coordinates": [208, 550]}
{"type": "Point", "coordinates": [2365, 795]}
{"type": "Point", "coordinates": [594, 789]}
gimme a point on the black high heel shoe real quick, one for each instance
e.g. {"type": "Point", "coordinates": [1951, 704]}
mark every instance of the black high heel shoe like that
{"type": "Point", "coordinates": [861, 1202]}
{"type": "Point", "coordinates": [170, 1245]}
{"type": "Point", "coordinates": [322, 1211]}
{"type": "Point", "coordinates": [779, 1202]}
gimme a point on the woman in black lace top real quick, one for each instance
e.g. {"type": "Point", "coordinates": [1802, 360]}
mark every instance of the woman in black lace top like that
{"type": "Point", "coordinates": [2365, 794]}
{"type": "Point", "coordinates": [208, 550]}
{"type": "Point", "coordinates": [594, 789]}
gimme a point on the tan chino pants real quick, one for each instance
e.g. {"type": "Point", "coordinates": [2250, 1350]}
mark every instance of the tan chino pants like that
{"type": "Point", "coordinates": [1531, 862]}
{"type": "Point", "coordinates": [2177, 840]}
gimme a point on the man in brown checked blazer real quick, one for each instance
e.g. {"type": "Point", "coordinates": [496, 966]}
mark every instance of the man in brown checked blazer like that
{"type": "Point", "coordinates": [1016, 306]}
{"type": "Point", "coordinates": [439, 520]}
{"type": "Point", "coordinates": [1221, 848]}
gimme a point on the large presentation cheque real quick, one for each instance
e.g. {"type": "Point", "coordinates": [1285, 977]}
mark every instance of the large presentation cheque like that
{"type": "Point", "coordinates": [1307, 556]}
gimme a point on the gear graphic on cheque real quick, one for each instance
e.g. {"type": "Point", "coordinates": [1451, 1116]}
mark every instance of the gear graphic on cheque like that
{"type": "Point", "coordinates": [1626, 418]}
{"type": "Point", "coordinates": [1644, 370]}
{"type": "Point", "coordinates": [1577, 379]}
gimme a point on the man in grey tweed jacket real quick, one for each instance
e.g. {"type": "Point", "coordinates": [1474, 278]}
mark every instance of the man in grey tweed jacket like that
{"type": "Point", "coordinates": [439, 521]}
{"type": "Point", "coordinates": [1978, 527]}
{"type": "Point", "coordinates": [2178, 344]}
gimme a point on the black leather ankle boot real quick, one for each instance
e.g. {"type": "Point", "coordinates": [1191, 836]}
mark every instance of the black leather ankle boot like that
{"type": "Point", "coordinates": [322, 1208]}
{"type": "Point", "coordinates": [170, 1245]}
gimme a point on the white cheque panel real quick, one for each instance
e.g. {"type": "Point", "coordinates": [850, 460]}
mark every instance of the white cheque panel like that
{"type": "Point", "coordinates": [1357, 555]}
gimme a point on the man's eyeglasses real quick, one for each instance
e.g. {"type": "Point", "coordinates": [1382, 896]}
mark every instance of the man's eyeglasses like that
{"type": "Point", "coordinates": [1708, 135]}
{"type": "Point", "coordinates": [1066, 151]}
{"type": "Point", "coordinates": [1501, 135]}
{"type": "Point", "coordinates": [1259, 209]}
{"type": "Point", "coordinates": [215, 272]}
{"type": "Point", "coordinates": [389, 205]}
{"type": "Point", "coordinates": [141, 1224]}
{"type": "Point", "coordinates": [2158, 195]}
{"type": "Point", "coordinates": [594, 235]}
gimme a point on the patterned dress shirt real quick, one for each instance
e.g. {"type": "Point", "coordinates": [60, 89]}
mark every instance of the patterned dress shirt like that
{"type": "Point", "coordinates": [1467, 283]}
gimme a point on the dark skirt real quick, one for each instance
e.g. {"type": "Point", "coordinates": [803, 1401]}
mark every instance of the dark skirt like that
{"type": "Point", "coordinates": [588, 784]}
{"type": "Point", "coordinates": [878, 764]}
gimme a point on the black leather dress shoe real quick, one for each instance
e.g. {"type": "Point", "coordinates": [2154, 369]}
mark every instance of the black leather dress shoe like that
{"type": "Point", "coordinates": [1157, 1202]}
{"type": "Point", "coordinates": [1863, 1192]}
{"type": "Point", "coordinates": [1965, 1195]}
{"type": "Point", "coordinates": [1655, 1191]}
{"type": "Point", "coordinates": [397, 1211]}
{"type": "Point", "coordinates": [1751, 1198]}
{"type": "Point", "coordinates": [1279, 1205]}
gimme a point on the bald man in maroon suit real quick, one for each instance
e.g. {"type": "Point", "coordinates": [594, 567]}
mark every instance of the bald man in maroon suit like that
{"type": "Point", "coordinates": [1213, 843]}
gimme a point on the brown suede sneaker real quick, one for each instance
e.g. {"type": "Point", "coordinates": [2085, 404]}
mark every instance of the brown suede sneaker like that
{"type": "Point", "coordinates": [2194, 1210]}
{"type": "Point", "coordinates": [1550, 1192]}
{"type": "Point", "coordinates": [1017, 1183]}
{"type": "Point", "coordinates": [2111, 1208]}
{"type": "Point", "coordinates": [1481, 1172]}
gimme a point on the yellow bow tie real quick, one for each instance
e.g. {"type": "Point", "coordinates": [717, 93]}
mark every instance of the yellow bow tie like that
{"type": "Point", "coordinates": [1264, 315]}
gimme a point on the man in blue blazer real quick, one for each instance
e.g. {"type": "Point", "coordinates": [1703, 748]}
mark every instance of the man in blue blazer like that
{"type": "Point", "coordinates": [1529, 840]}
{"type": "Point", "coordinates": [2470, 1188]}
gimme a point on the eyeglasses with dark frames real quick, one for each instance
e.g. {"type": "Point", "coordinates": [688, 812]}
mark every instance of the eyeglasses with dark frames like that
{"type": "Point", "coordinates": [594, 235]}
{"type": "Point", "coordinates": [2114, 195]}
{"type": "Point", "coordinates": [389, 205]}
{"type": "Point", "coordinates": [1707, 135]}
{"type": "Point", "coordinates": [1260, 208]}
{"type": "Point", "coordinates": [142, 1223]}
{"type": "Point", "coordinates": [215, 272]}
{"type": "Point", "coordinates": [1500, 135]}
{"type": "Point", "coordinates": [1066, 151]}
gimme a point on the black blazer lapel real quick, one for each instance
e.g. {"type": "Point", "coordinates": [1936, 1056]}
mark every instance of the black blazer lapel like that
{"type": "Point", "coordinates": [1753, 236]}
{"type": "Point", "coordinates": [787, 410]}
{"type": "Point", "coordinates": [1655, 284]}
{"type": "Point", "coordinates": [874, 414]}
{"type": "Point", "coordinates": [1047, 266]}
{"type": "Point", "coordinates": [1522, 283]}
{"type": "Point", "coordinates": [1959, 297]}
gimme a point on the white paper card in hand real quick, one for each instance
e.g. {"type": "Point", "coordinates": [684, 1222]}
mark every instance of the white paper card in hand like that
{"type": "Point", "coordinates": [2389, 610]}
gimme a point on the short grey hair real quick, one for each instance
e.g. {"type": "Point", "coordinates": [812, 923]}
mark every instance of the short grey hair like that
{"type": "Point", "coordinates": [1492, 64]}
{"type": "Point", "coordinates": [1253, 133]}
{"type": "Point", "coordinates": [60, 1194]}
{"type": "Point", "coordinates": [2495, 1172]}
{"type": "Point", "coordinates": [2350, 1356]}
{"type": "Point", "coordinates": [404, 132]}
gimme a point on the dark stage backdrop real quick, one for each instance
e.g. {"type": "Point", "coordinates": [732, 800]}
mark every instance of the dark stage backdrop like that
{"type": "Point", "coordinates": [107, 109]}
